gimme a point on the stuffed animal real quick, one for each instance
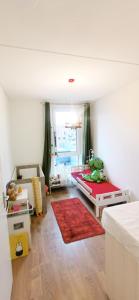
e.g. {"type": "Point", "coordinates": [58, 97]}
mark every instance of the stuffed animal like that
{"type": "Point", "coordinates": [96, 166]}
{"type": "Point", "coordinates": [95, 163]}
{"type": "Point", "coordinates": [98, 176]}
{"type": "Point", "coordinates": [12, 191]}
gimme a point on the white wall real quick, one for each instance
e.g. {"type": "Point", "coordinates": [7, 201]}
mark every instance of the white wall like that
{"type": "Point", "coordinates": [115, 123]}
{"type": "Point", "coordinates": [5, 145]}
{"type": "Point", "coordinates": [27, 122]}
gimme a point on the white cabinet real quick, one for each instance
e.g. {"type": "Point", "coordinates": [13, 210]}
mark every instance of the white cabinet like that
{"type": "Point", "coordinates": [19, 224]}
{"type": "Point", "coordinates": [19, 221]}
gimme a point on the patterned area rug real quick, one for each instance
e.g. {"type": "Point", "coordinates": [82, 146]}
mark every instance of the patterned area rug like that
{"type": "Point", "coordinates": [75, 221]}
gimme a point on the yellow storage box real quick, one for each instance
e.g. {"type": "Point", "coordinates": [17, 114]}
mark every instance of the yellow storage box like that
{"type": "Point", "coordinates": [19, 245]}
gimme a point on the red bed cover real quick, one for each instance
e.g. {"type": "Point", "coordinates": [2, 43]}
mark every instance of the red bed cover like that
{"type": "Point", "coordinates": [97, 188]}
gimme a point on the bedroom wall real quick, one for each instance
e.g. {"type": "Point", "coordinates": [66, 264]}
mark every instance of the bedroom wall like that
{"type": "Point", "coordinates": [6, 166]}
{"type": "Point", "coordinates": [27, 119]}
{"type": "Point", "coordinates": [115, 127]}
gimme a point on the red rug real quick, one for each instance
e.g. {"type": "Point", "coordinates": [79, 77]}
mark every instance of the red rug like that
{"type": "Point", "coordinates": [75, 221]}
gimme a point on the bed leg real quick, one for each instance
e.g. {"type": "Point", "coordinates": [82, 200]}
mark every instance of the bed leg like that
{"type": "Point", "coordinates": [97, 211]}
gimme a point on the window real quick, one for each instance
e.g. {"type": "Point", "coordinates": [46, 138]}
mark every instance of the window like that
{"type": "Point", "coordinates": [67, 138]}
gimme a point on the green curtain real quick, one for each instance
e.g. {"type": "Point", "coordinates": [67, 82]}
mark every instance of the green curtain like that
{"type": "Point", "coordinates": [87, 144]}
{"type": "Point", "coordinates": [46, 165]}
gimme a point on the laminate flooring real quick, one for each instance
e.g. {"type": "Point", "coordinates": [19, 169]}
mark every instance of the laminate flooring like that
{"type": "Point", "coordinates": [57, 271]}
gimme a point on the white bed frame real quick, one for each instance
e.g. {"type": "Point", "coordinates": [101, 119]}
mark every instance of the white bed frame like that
{"type": "Point", "coordinates": [101, 200]}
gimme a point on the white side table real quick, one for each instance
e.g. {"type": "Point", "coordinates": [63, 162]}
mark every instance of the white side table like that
{"type": "Point", "coordinates": [19, 221]}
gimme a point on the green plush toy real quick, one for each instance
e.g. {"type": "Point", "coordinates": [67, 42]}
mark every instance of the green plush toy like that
{"type": "Point", "coordinates": [95, 163]}
{"type": "Point", "coordinates": [96, 166]}
{"type": "Point", "coordinates": [98, 176]}
{"type": "Point", "coordinates": [95, 176]}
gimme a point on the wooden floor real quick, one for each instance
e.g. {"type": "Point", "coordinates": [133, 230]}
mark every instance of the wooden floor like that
{"type": "Point", "coordinates": [57, 271]}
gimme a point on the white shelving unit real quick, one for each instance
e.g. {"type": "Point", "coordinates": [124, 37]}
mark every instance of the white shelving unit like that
{"type": "Point", "coordinates": [19, 221]}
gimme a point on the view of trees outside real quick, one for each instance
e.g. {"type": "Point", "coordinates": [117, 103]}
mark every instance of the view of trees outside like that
{"type": "Point", "coordinates": [66, 139]}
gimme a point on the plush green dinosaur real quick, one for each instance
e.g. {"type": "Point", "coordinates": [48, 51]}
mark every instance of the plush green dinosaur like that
{"type": "Point", "coordinates": [96, 166]}
{"type": "Point", "coordinates": [95, 163]}
{"type": "Point", "coordinates": [95, 176]}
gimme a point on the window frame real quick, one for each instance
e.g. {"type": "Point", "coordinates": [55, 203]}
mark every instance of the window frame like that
{"type": "Point", "coordinates": [79, 131]}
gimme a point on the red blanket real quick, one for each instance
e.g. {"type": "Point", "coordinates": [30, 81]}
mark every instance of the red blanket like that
{"type": "Point", "coordinates": [97, 188]}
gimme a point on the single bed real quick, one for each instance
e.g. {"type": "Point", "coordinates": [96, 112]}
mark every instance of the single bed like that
{"type": "Point", "coordinates": [100, 194]}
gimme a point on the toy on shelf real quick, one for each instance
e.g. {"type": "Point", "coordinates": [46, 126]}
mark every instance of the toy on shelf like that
{"type": "Point", "coordinates": [97, 168]}
{"type": "Point", "coordinates": [12, 191]}
{"type": "Point", "coordinates": [15, 201]}
{"type": "Point", "coordinates": [20, 189]}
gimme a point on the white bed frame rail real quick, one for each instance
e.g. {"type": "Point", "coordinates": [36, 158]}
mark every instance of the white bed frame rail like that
{"type": "Point", "coordinates": [102, 200]}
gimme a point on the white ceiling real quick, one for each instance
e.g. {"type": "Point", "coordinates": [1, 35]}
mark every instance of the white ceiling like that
{"type": "Point", "coordinates": [106, 30]}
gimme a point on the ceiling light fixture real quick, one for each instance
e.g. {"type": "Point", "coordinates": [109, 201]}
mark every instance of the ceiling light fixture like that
{"type": "Point", "coordinates": [71, 80]}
